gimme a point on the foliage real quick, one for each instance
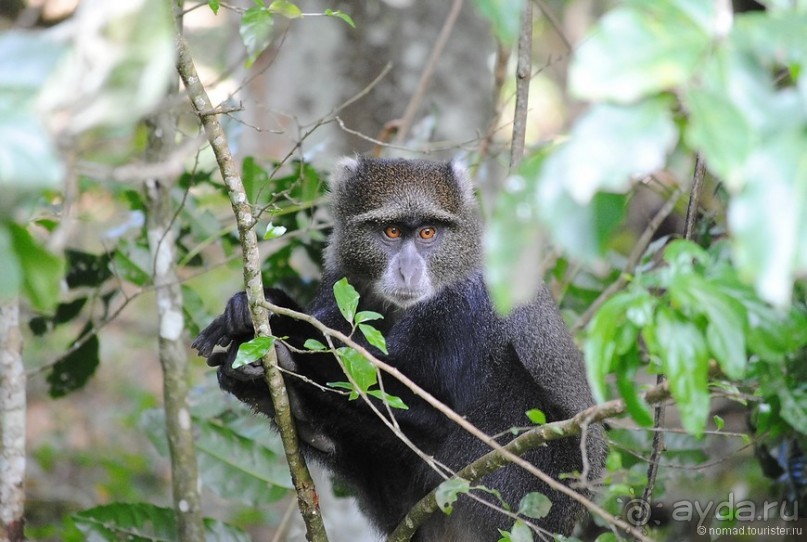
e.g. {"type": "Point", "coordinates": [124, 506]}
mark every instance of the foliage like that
{"type": "Point", "coordinates": [723, 313]}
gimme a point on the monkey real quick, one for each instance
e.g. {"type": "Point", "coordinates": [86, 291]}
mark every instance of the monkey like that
{"type": "Point", "coordinates": [407, 234]}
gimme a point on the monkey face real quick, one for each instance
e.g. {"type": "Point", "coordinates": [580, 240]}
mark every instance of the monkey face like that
{"type": "Point", "coordinates": [403, 229]}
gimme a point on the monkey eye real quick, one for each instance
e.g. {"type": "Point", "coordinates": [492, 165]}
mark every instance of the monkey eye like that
{"type": "Point", "coordinates": [427, 233]}
{"type": "Point", "coordinates": [393, 232]}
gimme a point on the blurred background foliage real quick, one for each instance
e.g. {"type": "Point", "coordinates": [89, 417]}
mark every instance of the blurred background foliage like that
{"type": "Point", "coordinates": [623, 97]}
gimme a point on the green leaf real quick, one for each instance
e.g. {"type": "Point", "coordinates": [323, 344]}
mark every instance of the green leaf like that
{"type": "Point", "coordinates": [726, 328]}
{"type": "Point", "coordinates": [10, 271]}
{"type": "Point", "coordinates": [768, 217]}
{"type": "Point", "coordinates": [41, 271]}
{"type": "Point", "coordinates": [717, 129]}
{"type": "Point", "coordinates": [600, 346]}
{"type": "Point", "coordinates": [74, 370]}
{"type": "Point", "coordinates": [536, 416]}
{"type": "Point", "coordinates": [535, 505]}
{"type": "Point", "coordinates": [447, 493]}
{"type": "Point", "coordinates": [366, 316]}
{"type": "Point", "coordinates": [347, 298]}
{"type": "Point", "coordinates": [520, 532]}
{"type": "Point", "coordinates": [254, 177]}
{"type": "Point", "coordinates": [341, 15]}
{"type": "Point", "coordinates": [626, 384]}
{"type": "Point", "coordinates": [719, 423]}
{"type": "Point", "coordinates": [285, 8]}
{"type": "Point", "coordinates": [256, 31]}
{"type": "Point", "coordinates": [394, 401]}
{"type": "Point", "coordinates": [214, 5]}
{"type": "Point", "coordinates": [685, 360]}
{"type": "Point", "coordinates": [514, 238]}
{"type": "Point", "coordinates": [362, 371]}
{"type": "Point", "coordinates": [641, 49]}
{"type": "Point", "coordinates": [126, 268]}
{"type": "Point", "coordinates": [273, 232]}
{"type": "Point", "coordinates": [504, 17]}
{"type": "Point", "coordinates": [253, 350]}
{"type": "Point", "coordinates": [313, 344]}
{"type": "Point", "coordinates": [374, 337]}
{"type": "Point", "coordinates": [609, 146]}
{"type": "Point", "coordinates": [142, 522]}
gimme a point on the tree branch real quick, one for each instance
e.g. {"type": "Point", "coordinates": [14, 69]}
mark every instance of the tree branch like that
{"type": "Point", "coordinates": [530, 440]}
{"type": "Point", "coordinates": [523, 77]}
{"type": "Point", "coordinates": [160, 214]}
{"type": "Point", "coordinates": [12, 424]}
{"type": "Point", "coordinates": [307, 498]}
{"type": "Point", "coordinates": [408, 118]}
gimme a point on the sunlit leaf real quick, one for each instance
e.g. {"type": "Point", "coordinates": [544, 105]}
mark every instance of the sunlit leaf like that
{"type": "Point", "coordinates": [347, 298]}
{"type": "Point", "coordinates": [536, 416]}
{"type": "Point", "coordinates": [341, 15]}
{"type": "Point", "coordinates": [640, 49]}
{"type": "Point", "coordinates": [253, 350]}
{"type": "Point", "coordinates": [285, 8]}
{"type": "Point", "coordinates": [374, 337]}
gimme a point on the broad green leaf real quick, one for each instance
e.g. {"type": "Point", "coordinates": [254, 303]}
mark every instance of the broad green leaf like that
{"type": "Point", "coordinates": [374, 337]}
{"type": "Point", "coordinates": [609, 146]}
{"type": "Point", "coordinates": [237, 467]}
{"type": "Point", "coordinates": [273, 232]}
{"type": "Point", "coordinates": [358, 368]}
{"type": "Point", "coordinates": [685, 360]}
{"type": "Point", "coordinates": [504, 16]}
{"type": "Point", "coordinates": [768, 217]}
{"type": "Point", "coordinates": [143, 522]}
{"type": "Point", "coordinates": [639, 50]}
{"type": "Point", "coordinates": [726, 328]}
{"type": "Point", "coordinates": [74, 370]}
{"type": "Point", "coordinates": [256, 31]}
{"type": "Point", "coordinates": [366, 316]}
{"type": "Point", "coordinates": [447, 493]}
{"type": "Point", "coordinates": [626, 384]}
{"type": "Point", "coordinates": [535, 505]}
{"type": "Point", "coordinates": [214, 6]}
{"type": "Point", "coordinates": [719, 130]}
{"type": "Point", "coordinates": [285, 8]}
{"type": "Point", "coordinates": [347, 298]}
{"type": "Point", "coordinates": [341, 15]}
{"type": "Point", "coordinates": [600, 346]}
{"type": "Point", "coordinates": [394, 401]}
{"type": "Point", "coordinates": [126, 268]}
{"type": "Point", "coordinates": [41, 271]}
{"type": "Point", "coordinates": [313, 344]}
{"type": "Point", "coordinates": [253, 350]}
{"type": "Point", "coordinates": [536, 416]}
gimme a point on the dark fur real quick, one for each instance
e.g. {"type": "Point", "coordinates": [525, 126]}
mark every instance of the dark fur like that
{"type": "Point", "coordinates": [490, 369]}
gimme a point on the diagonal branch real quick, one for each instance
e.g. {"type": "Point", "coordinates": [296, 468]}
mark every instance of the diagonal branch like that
{"type": "Point", "coordinates": [301, 477]}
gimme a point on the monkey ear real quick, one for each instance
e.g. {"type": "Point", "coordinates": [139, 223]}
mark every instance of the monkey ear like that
{"type": "Point", "coordinates": [464, 183]}
{"type": "Point", "coordinates": [345, 168]}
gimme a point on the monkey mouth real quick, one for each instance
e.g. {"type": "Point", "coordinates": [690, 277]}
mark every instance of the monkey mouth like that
{"type": "Point", "coordinates": [406, 298]}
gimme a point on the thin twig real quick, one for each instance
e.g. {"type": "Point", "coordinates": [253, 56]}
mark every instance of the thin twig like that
{"type": "Point", "coordinates": [556, 25]}
{"type": "Point", "coordinates": [523, 79]}
{"type": "Point", "coordinates": [408, 118]}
